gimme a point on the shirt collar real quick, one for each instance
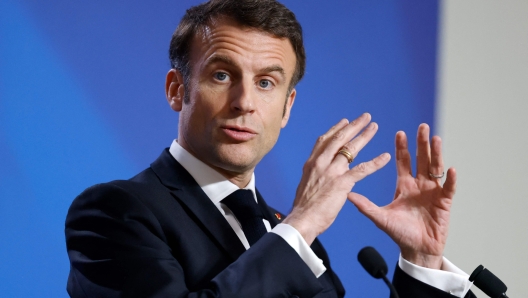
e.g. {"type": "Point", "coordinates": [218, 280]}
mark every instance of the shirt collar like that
{"type": "Point", "coordinates": [215, 186]}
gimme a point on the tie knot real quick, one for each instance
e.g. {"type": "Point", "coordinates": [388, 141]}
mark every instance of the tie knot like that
{"type": "Point", "coordinates": [246, 210]}
{"type": "Point", "coordinates": [242, 203]}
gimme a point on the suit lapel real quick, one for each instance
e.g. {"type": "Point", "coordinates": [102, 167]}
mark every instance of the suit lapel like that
{"type": "Point", "coordinates": [185, 189]}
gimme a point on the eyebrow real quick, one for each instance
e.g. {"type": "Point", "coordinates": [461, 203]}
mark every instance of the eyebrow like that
{"type": "Point", "coordinates": [275, 68]}
{"type": "Point", "coordinates": [227, 60]}
{"type": "Point", "coordinates": [222, 59]}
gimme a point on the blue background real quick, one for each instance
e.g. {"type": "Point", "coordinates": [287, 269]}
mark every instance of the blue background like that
{"type": "Point", "coordinates": [82, 102]}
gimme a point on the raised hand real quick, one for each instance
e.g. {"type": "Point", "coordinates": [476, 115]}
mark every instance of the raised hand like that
{"type": "Point", "coordinates": [418, 217]}
{"type": "Point", "coordinates": [327, 179]}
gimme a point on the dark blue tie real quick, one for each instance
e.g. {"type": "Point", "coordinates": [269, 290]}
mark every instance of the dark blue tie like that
{"type": "Point", "coordinates": [242, 203]}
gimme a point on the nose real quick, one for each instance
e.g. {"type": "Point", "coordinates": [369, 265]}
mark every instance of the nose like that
{"type": "Point", "coordinates": [243, 98]}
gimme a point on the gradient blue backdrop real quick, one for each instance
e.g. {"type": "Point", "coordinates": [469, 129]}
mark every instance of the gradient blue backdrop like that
{"type": "Point", "coordinates": [82, 101]}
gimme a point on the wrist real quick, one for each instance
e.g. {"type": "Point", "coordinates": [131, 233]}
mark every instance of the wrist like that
{"type": "Point", "coordinates": [305, 229]}
{"type": "Point", "coordinates": [423, 260]}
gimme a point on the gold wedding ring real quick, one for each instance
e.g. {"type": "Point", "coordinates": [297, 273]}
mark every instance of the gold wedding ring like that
{"type": "Point", "coordinates": [343, 151]}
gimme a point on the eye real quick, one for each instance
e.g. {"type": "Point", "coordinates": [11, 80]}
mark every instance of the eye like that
{"type": "Point", "coordinates": [220, 76]}
{"type": "Point", "coordinates": [264, 84]}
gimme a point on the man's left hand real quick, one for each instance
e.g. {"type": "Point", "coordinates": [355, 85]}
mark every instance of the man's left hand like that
{"type": "Point", "coordinates": [418, 217]}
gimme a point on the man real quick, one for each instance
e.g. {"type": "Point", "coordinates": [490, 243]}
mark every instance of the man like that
{"type": "Point", "coordinates": [186, 228]}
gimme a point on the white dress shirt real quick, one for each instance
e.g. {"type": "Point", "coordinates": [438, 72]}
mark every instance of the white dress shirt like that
{"type": "Point", "coordinates": [450, 279]}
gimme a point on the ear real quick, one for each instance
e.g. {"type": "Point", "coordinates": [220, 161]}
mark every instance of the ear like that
{"type": "Point", "coordinates": [287, 108]}
{"type": "Point", "coordinates": [174, 89]}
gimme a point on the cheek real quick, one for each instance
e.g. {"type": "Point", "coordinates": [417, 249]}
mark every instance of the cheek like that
{"type": "Point", "coordinates": [193, 117]}
{"type": "Point", "coordinates": [200, 103]}
{"type": "Point", "coordinates": [211, 102]}
{"type": "Point", "coordinates": [267, 97]}
{"type": "Point", "coordinates": [274, 125]}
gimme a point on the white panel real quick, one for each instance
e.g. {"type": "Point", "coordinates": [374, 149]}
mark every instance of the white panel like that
{"type": "Point", "coordinates": [482, 117]}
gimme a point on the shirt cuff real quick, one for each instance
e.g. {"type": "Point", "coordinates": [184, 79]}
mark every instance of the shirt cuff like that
{"type": "Point", "coordinates": [296, 241]}
{"type": "Point", "coordinates": [449, 279]}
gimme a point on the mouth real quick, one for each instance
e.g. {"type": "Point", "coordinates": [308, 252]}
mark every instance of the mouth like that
{"type": "Point", "coordinates": [239, 128]}
{"type": "Point", "coordinates": [238, 133]}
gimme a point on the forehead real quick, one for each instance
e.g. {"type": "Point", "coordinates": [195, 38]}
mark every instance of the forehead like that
{"type": "Point", "coordinates": [249, 47]}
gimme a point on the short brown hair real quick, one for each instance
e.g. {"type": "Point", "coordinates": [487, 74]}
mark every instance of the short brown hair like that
{"type": "Point", "coordinates": [266, 15]}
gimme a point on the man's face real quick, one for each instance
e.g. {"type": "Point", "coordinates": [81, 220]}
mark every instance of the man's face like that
{"type": "Point", "coordinates": [238, 96]}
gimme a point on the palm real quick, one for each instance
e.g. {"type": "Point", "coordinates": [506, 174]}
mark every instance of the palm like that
{"type": "Point", "coordinates": [418, 217]}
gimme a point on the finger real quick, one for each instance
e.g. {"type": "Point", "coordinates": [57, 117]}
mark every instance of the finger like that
{"type": "Point", "coordinates": [364, 169]}
{"type": "Point", "coordinates": [365, 206]}
{"type": "Point", "coordinates": [357, 143]}
{"type": "Point", "coordinates": [322, 140]}
{"type": "Point", "coordinates": [403, 157]}
{"type": "Point", "coordinates": [450, 183]}
{"type": "Point", "coordinates": [423, 153]}
{"type": "Point", "coordinates": [344, 135]}
{"type": "Point", "coordinates": [437, 163]}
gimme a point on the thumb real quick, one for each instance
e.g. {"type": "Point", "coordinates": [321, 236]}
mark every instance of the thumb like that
{"type": "Point", "coordinates": [365, 206]}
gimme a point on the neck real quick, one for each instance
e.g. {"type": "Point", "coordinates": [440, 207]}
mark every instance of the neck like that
{"type": "Point", "coordinates": [240, 179]}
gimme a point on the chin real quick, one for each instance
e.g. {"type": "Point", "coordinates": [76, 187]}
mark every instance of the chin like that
{"type": "Point", "coordinates": [236, 160]}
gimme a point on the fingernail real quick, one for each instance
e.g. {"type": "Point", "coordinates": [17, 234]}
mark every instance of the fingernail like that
{"type": "Point", "coordinates": [373, 125]}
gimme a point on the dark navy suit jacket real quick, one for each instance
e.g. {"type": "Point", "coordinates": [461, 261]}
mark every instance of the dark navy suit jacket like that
{"type": "Point", "coordinates": [159, 235]}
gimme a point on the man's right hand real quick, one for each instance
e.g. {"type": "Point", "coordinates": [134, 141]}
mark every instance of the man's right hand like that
{"type": "Point", "coordinates": [327, 178]}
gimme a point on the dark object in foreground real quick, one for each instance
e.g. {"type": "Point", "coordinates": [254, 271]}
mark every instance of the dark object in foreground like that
{"type": "Point", "coordinates": [490, 284]}
{"type": "Point", "coordinates": [375, 265]}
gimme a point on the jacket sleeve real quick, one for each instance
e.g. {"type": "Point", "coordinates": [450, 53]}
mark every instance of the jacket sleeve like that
{"type": "Point", "coordinates": [117, 248]}
{"type": "Point", "coordinates": [409, 287]}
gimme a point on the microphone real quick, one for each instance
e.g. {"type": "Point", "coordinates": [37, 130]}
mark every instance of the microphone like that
{"type": "Point", "coordinates": [488, 283]}
{"type": "Point", "coordinates": [375, 265]}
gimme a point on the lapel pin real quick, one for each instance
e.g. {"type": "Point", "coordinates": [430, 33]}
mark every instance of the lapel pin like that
{"type": "Point", "coordinates": [278, 216]}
